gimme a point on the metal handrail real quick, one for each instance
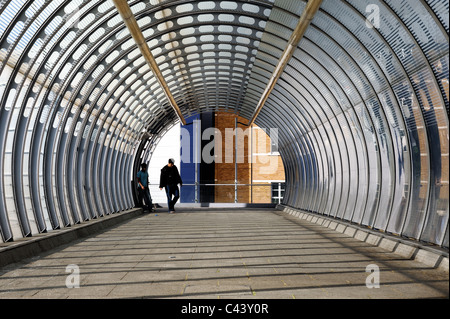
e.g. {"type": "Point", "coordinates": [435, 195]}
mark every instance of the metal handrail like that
{"type": "Point", "coordinates": [236, 185]}
{"type": "Point", "coordinates": [233, 184]}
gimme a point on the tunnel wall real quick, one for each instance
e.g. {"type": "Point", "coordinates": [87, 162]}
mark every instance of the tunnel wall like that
{"type": "Point", "coordinates": [363, 116]}
{"type": "Point", "coordinates": [361, 108]}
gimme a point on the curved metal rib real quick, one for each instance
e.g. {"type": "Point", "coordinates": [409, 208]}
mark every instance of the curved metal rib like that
{"type": "Point", "coordinates": [308, 14]}
{"type": "Point", "coordinates": [131, 23]}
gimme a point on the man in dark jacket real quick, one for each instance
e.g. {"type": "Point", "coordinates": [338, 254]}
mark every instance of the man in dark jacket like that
{"type": "Point", "coordinates": [170, 178]}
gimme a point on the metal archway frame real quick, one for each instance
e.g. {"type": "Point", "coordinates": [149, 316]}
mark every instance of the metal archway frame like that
{"type": "Point", "coordinates": [361, 107]}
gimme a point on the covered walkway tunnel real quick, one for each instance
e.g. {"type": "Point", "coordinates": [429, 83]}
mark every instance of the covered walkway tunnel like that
{"type": "Point", "coordinates": [358, 91]}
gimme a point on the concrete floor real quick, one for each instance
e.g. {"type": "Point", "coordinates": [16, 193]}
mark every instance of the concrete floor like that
{"type": "Point", "coordinates": [220, 253]}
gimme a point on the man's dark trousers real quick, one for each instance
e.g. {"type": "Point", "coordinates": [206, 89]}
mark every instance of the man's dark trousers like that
{"type": "Point", "coordinates": [172, 190]}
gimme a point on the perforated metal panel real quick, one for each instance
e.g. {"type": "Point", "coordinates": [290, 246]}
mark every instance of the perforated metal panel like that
{"type": "Point", "coordinates": [361, 108]}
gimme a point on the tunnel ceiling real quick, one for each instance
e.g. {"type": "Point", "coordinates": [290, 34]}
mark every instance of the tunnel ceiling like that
{"type": "Point", "coordinates": [361, 104]}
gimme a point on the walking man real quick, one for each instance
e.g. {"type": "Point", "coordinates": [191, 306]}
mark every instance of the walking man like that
{"type": "Point", "coordinates": [170, 178]}
{"type": "Point", "coordinates": [143, 191]}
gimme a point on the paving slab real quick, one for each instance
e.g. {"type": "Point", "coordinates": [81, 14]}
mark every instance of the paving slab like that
{"type": "Point", "coordinates": [224, 254]}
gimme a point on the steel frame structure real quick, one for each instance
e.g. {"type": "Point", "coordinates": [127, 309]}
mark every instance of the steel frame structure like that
{"type": "Point", "coordinates": [361, 106]}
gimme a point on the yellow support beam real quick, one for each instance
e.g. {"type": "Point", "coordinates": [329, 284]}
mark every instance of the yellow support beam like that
{"type": "Point", "coordinates": [131, 23]}
{"type": "Point", "coordinates": [305, 19]}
